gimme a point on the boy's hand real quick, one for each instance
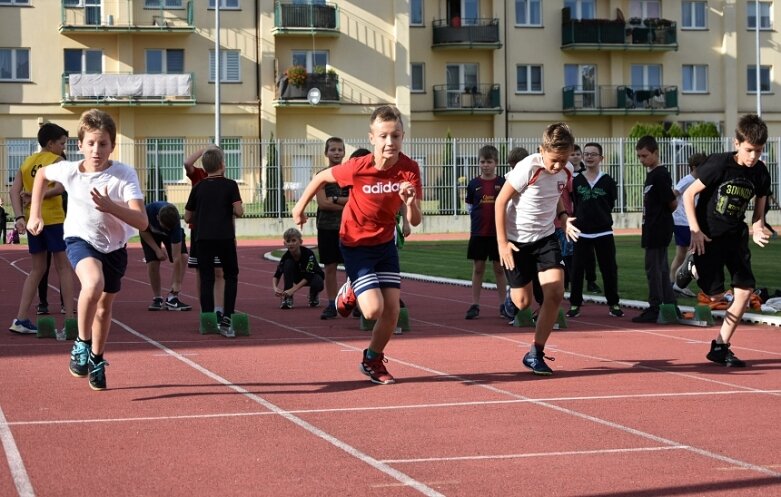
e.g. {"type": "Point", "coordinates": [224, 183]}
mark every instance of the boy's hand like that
{"type": "Point", "coordinates": [160, 254]}
{"type": "Point", "coordinates": [407, 192]}
{"type": "Point", "coordinates": [102, 201]}
{"type": "Point", "coordinates": [299, 216]}
{"type": "Point", "coordinates": [34, 226]}
{"type": "Point", "coordinates": [570, 230]}
{"type": "Point", "coordinates": [506, 250]}
{"type": "Point", "coordinates": [26, 197]}
{"type": "Point", "coordinates": [698, 242]}
{"type": "Point", "coordinates": [278, 292]}
{"type": "Point", "coordinates": [760, 237]}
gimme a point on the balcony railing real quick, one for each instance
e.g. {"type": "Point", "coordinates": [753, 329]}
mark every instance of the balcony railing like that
{"type": "Point", "coordinates": [621, 99]}
{"type": "Point", "coordinates": [609, 34]}
{"type": "Point", "coordinates": [328, 85]}
{"type": "Point", "coordinates": [123, 16]}
{"type": "Point", "coordinates": [309, 18]}
{"type": "Point", "coordinates": [482, 99]}
{"type": "Point", "coordinates": [127, 89]}
{"type": "Point", "coordinates": [466, 33]}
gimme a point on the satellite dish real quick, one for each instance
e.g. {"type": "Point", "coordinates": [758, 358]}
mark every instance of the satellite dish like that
{"type": "Point", "coordinates": [313, 96]}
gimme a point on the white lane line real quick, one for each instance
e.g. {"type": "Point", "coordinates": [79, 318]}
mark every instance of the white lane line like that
{"type": "Point", "coordinates": [526, 455]}
{"type": "Point", "coordinates": [349, 449]}
{"type": "Point", "coordinates": [400, 407]}
{"type": "Point", "coordinates": [15, 463]}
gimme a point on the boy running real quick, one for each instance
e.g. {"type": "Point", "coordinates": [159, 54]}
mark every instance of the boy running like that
{"type": "Point", "coordinates": [525, 209]}
{"type": "Point", "coordinates": [105, 203]}
{"type": "Point", "coordinates": [726, 183]}
{"type": "Point", "coordinates": [381, 182]}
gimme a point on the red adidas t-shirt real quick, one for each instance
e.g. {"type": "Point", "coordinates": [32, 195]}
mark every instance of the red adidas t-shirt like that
{"type": "Point", "coordinates": [369, 218]}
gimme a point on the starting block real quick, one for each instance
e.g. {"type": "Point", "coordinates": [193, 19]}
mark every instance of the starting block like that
{"type": "Point", "coordinates": [668, 314]}
{"type": "Point", "coordinates": [208, 324]}
{"type": "Point", "coordinates": [561, 321]}
{"type": "Point", "coordinates": [702, 312]}
{"type": "Point", "coordinates": [46, 327]}
{"type": "Point", "coordinates": [402, 322]}
{"type": "Point", "coordinates": [240, 324]}
{"type": "Point", "coordinates": [524, 318]}
{"type": "Point", "coordinates": [71, 329]}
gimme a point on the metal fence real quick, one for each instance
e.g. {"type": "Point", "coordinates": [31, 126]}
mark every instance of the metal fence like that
{"type": "Point", "coordinates": [272, 174]}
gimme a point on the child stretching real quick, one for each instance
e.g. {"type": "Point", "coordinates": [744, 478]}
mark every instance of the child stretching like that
{"type": "Point", "coordinates": [525, 209]}
{"type": "Point", "coordinates": [380, 182]}
{"type": "Point", "coordinates": [105, 203]}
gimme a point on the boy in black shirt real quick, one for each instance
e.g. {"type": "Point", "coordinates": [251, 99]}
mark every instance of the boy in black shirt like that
{"type": "Point", "coordinates": [658, 206]}
{"type": "Point", "coordinates": [212, 205]}
{"type": "Point", "coordinates": [726, 184]}
{"type": "Point", "coordinates": [298, 268]}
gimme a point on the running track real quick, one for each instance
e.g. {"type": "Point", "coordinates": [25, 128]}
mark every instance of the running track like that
{"type": "Point", "coordinates": [632, 410]}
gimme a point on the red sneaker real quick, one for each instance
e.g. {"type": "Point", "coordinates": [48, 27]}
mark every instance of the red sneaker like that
{"type": "Point", "coordinates": [346, 300]}
{"type": "Point", "coordinates": [375, 369]}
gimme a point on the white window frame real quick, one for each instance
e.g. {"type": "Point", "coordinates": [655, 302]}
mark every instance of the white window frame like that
{"type": "Point", "coordinates": [11, 3]}
{"type": "Point", "coordinates": [588, 97]}
{"type": "Point", "coordinates": [528, 69]}
{"type": "Point", "coordinates": [164, 56]}
{"type": "Point", "coordinates": [84, 51]}
{"type": "Point", "coordinates": [224, 4]}
{"type": "Point", "coordinates": [765, 14]}
{"type": "Point", "coordinates": [692, 8]}
{"type": "Point", "coordinates": [224, 74]}
{"type": "Point", "coordinates": [166, 4]}
{"type": "Point", "coordinates": [422, 68]}
{"type": "Point", "coordinates": [698, 72]}
{"type": "Point", "coordinates": [578, 7]}
{"type": "Point", "coordinates": [527, 5]}
{"type": "Point", "coordinates": [310, 56]}
{"type": "Point", "coordinates": [645, 9]}
{"type": "Point", "coordinates": [751, 79]}
{"type": "Point", "coordinates": [645, 79]}
{"type": "Point", "coordinates": [15, 64]}
{"type": "Point", "coordinates": [417, 5]}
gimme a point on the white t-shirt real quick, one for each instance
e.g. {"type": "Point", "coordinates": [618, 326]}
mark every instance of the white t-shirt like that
{"type": "Point", "coordinates": [531, 213]}
{"type": "Point", "coordinates": [679, 214]}
{"type": "Point", "coordinates": [101, 230]}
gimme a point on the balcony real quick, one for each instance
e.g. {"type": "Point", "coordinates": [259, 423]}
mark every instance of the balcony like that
{"type": "Point", "coordinates": [459, 33]}
{"type": "Point", "coordinates": [288, 94]}
{"type": "Point", "coordinates": [609, 34]}
{"type": "Point", "coordinates": [124, 16]}
{"type": "Point", "coordinates": [457, 99]}
{"type": "Point", "coordinates": [126, 90]}
{"type": "Point", "coordinates": [305, 19]}
{"type": "Point", "coordinates": [620, 100]}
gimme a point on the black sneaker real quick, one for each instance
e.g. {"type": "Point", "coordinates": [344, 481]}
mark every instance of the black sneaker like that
{"type": "Point", "coordinates": [174, 304]}
{"type": "Point", "coordinates": [685, 273]}
{"type": "Point", "coordinates": [592, 287]}
{"type": "Point", "coordinates": [157, 304]}
{"type": "Point", "coordinates": [97, 374]}
{"type": "Point", "coordinates": [356, 313]}
{"type": "Point", "coordinates": [504, 314]}
{"type": "Point", "coordinates": [42, 309]}
{"type": "Point", "coordinates": [79, 358]}
{"type": "Point", "coordinates": [721, 354]}
{"type": "Point", "coordinates": [314, 301]}
{"type": "Point", "coordinates": [574, 311]}
{"type": "Point", "coordinates": [287, 303]}
{"type": "Point", "coordinates": [650, 315]}
{"type": "Point", "coordinates": [473, 312]}
{"type": "Point", "coordinates": [329, 313]}
{"type": "Point", "coordinates": [537, 364]}
{"type": "Point", "coordinates": [615, 311]}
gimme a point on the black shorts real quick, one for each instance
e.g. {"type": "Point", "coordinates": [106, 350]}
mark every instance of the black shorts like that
{"type": "Point", "coordinates": [532, 258]}
{"type": "Point", "coordinates": [192, 260]}
{"type": "Point", "coordinates": [328, 246]}
{"type": "Point", "coordinates": [729, 251]}
{"type": "Point", "coordinates": [149, 253]}
{"type": "Point", "coordinates": [482, 247]}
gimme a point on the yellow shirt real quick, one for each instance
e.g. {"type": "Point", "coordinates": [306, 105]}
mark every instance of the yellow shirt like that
{"type": "Point", "coordinates": [51, 210]}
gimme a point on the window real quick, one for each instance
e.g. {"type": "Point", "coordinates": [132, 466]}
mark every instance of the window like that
{"type": "Point", "coordinates": [14, 2]}
{"type": "Point", "coordinates": [163, 3]}
{"type": "Point", "coordinates": [231, 148]}
{"type": "Point", "coordinates": [764, 15]}
{"type": "Point", "coordinates": [645, 9]}
{"type": "Point", "coordinates": [14, 64]}
{"type": "Point", "coordinates": [581, 9]}
{"type": "Point", "coordinates": [165, 61]}
{"type": "Point", "coordinates": [528, 13]}
{"type": "Point", "coordinates": [695, 78]}
{"type": "Point", "coordinates": [529, 79]}
{"type": "Point", "coordinates": [416, 12]}
{"type": "Point", "coordinates": [225, 4]}
{"type": "Point", "coordinates": [310, 59]}
{"type": "Point", "coordinates": [764, 79]}
{"type": "Point", "coordinates": [17, 150]}
{"type": "Point", "coordinates": [460, 78]}
{"type": "Point", "coordinates": [583, 78]}
{"type": "Point", "coordinates": [694, 15]}
{"type": "Point", "coordinates": [418, 76]}
{"type": "Point", "coordinates": [164, 159]}
{"type": "Point", "coordinates": [646, 76]}
{"type": "Point", "coordinates": [229, 66]}
{"type": "Point", "coordinates": [83, 61]}
{"type": "Point", "coordinates": [70, 3]}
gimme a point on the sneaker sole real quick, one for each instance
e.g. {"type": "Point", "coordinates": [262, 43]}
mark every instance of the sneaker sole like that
{"type": "Point", "coordinates": [373, 380]}
{"type": "Point", "coordinates": [539, 373]}
{"type": "Point", "coordinates": [178, 309]}
{"type": "Point", "coordinates": [77, 375]}
{"type": "Point", "coordinates": [96, 388]}
{"type": "Point", "coordinates": [23, 332]}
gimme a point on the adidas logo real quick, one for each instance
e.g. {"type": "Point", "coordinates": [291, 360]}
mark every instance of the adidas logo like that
{"type": "Point", "coordinates": [381, 187]}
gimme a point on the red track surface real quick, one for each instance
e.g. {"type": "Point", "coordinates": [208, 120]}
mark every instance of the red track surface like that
{"type": "Point", "coordinates": [631, 410]}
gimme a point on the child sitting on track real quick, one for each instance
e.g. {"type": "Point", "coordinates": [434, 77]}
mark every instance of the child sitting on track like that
{"type": "Point", "coordinates": [297, 268]}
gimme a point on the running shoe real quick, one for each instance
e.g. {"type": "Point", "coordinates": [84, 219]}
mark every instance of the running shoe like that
{"type": "Point", "coordinates": [574, 311]}
{"type": "Point", "coordinates": [23, 327]}
{"type": "Point", "coordinates": [721, 354]}
{"type": "Point", "coordinates": [375, 369]}
{"type": "Point", "coordinates": [226, 327]}
{"type": "Point", "coordinates": [42, 309]}
{"type": "Point", "coordinates": [537, 364]}
{"type": "Point", "coordinates": [346, 300]}
{"type": "Point", "coordinates": [97, 374]}
{"type": "Point", "coordinates": [686, 272]}
{"type": "Point", "coordinates": [157, 304]}
{"type": "Point", "coordinates": [685, 292]}
{"type": "Point", "coordinates": [329, 312]}
{"type": "Point", "coordinates": [650, 315]}
{"type": "Point", "coordinates": [287, 303]}
{"type": "Point", "coordinates": [79, 358]}
{"type": "Point", "coordinates": [615, 311]}
{"type": "Point", "coordinates": [314, 301]}
{"type": "Point", "coordinates": [472, 312]}
{"type": "Point", "coordinates": [174, 304]}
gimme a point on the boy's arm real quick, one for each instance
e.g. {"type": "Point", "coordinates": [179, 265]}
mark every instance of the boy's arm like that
{"type": "Point", "coordinates": [35, 223]}
{"type": "Point", "coordinates": [16, 202]}
{"type": "Point", "coordinates": [758, 233]}
{"type": "Point", "coordinates": [133, 214]}
{"type": "Point", "coordinates": [238, 209]}
{"type": "Point", "coordinates": [188, 216]}
{"type": "Point", "coordinates": [698, 238]}
{"type": "Point", "coordinates": [506, 248]}
{"type": "Point", "coordinates": [318, 182]}
{"type": "Point", "coordinates": [567, 222]}
{"type": "Point", "coordinates": [325, 203]}
{"type": "Point", "coordinates": [189, 162]}
{"type": "Point", "coordinates": [146, 235]}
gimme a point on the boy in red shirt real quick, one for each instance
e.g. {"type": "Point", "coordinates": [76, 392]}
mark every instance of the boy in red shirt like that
{"type": "Point", "coordinates": [381, 183]}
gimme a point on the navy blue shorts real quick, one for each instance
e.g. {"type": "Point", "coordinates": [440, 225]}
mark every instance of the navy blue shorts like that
{"type": "Point", "coordinates": [149, 252]}
{"type": "Point", "coordinates": [50, 240]}
{"type": "Point", "coordinates": [481, 248]}
{"type": "Point", "coordinates": [375, 266]}
{"type": "Point", "coordinates": [114, 263]}
{"type": "Point", "coordinates": [683, 235]}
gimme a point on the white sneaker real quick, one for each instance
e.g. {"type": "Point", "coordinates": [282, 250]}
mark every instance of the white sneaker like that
{"type": "Point", "coordinates": [24, 327]}
{"type": "Point", "coordinates": [683, 291]}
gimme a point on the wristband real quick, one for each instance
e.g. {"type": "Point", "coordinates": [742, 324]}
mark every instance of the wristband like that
{"type": "Point", "coordinates": [18, 218]}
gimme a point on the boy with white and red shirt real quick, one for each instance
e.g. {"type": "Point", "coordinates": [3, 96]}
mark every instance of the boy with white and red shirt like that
{"type": "Point", "coordinates": [526, 207]}
{"type": "Point", "coordinates": [381, 183]}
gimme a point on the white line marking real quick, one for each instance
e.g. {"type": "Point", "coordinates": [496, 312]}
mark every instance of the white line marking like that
{"type": "Point", "coordinates": [535, 454]}
{"type": "Point", "coordinates": [15, 463]}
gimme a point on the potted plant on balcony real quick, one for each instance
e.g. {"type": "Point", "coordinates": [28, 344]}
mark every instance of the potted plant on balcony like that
{"type": "Point", "coordinates": [296, 76]}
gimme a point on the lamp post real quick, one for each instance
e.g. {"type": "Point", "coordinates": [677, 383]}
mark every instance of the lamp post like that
{"type": "Point", "coordinates": [756, 48]}
{"type": "Point", "coordinates": [217, 72]}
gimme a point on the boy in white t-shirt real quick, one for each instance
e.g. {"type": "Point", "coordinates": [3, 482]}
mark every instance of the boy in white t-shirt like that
{"type": "Point", "coordinates": [526, 207]}
{"type": "Point", "coordinates": [105, 203]}
{"type": "Point", "coordinates": [681, 231]}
